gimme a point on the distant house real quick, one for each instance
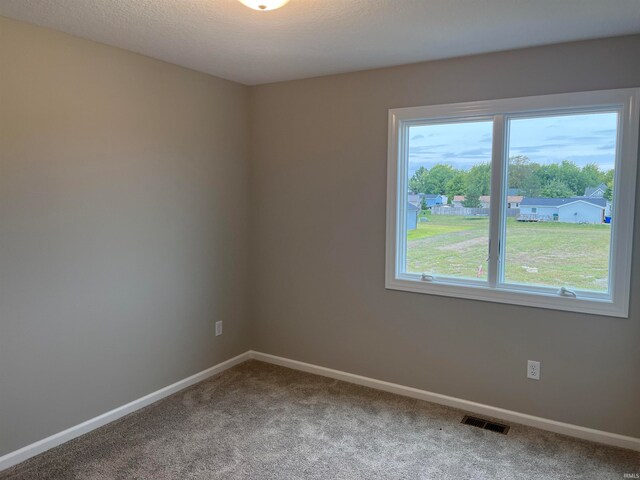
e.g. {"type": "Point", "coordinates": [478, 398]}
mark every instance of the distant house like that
{"type": "Point", "coordinates": [416, 198]}
{"type": "Point", "coordinates": [435, 200]}
{"type": "Point", "coordinates": [412, 216]}
{"type": "Point", "coordinates": [596, 192]}
{"type": "Point", "coordinates": [513, 201]}
{"type": "Point", "coordinates": [431, 200]}
{"type": "Point", "coordinates": [568, 210]}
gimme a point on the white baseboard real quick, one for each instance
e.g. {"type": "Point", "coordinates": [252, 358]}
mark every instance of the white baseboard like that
{"type": "Point", "coordinates": [584, 433]}
{"type": "Point", "coordinates": [40, 446]}
{"type": "Point", "coordinates": [45, 444]}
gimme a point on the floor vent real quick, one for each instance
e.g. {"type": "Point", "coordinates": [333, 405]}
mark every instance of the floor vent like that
{"type": "Point", "coordinates": [485, 424]}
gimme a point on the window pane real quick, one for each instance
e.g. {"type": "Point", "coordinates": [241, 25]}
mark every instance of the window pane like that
{"type": "Point", "coordinates": [560, 185]}
{"type": "Point", "coordinates": [449, 177]}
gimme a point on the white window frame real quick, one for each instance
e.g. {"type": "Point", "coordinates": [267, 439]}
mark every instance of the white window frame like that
{"type": "Point", "coordinates": [494, 289]}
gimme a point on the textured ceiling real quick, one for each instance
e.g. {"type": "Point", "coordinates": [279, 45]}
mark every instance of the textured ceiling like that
{"type": "Point", "coordinates": [308, 38]}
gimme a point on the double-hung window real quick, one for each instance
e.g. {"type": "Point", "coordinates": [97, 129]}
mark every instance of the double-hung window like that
{"type": "Point", "coordinates": [527, 201]}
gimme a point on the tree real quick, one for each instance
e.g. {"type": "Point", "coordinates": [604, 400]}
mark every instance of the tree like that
{"type": "Point", "coordinates": [520, 169]}
{"type": "Point", "coordinates": [456, 185]}
{"type": "Point", "coordinates": [608, 194]}
{"type": "Point", "coordinates": [608, 180]}
{"type": "Point", "coordinates": [478, 181]}
{"type": "Point", "coordinates": [566, 172]}
{"type": "Point", "coordinates": [556, 189]}
{"type": "Point", "coordinates": [531, 179]}
{"type": "Point", "coordinates": [524, 175]}
{"type": "Point", "coordinates": [607, 177]}
{"type": "Point", "coordinates": [471, 201]}
{"type": "Point", "coordinates": [532, 186]}
{"type": "Point", "coordinates": [417, 181]}
{"type": "Point", "coordinates": [438, 177]}
{"type": "Point", "coordinates": [590, 176]}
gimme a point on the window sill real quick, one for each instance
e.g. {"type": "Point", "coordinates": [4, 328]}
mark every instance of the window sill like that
{"type": "Point", "coordinates": [580, 304]}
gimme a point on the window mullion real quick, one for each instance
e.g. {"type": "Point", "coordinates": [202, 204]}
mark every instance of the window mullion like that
{"type": "Point", "coordinates": [496, 222]}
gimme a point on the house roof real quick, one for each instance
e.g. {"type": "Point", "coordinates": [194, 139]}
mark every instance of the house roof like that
{"type": "Point", "coordinates": [560, 202]}
{"type": "Point", "coordinates": [431, 195]}
{"type": "Point", "coordinates": [412, 207]}
{"type": "Point", "coordinates": [591, 190]}
{"type": "Point", "coordinates": [458, 198]}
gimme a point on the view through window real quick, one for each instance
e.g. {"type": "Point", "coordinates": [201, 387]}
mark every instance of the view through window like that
{"type": "Point", "coordinates": [560, 192]}
{"type": "Point", "coordinates": [557, 205]}
{"type": "Point", "coordinates": [448, 201]}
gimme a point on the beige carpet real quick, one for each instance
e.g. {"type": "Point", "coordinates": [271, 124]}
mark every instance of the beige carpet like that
{"type": "Point", "coordinates": [259, 421]}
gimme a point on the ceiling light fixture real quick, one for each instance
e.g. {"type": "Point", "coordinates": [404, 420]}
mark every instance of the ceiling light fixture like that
{"type": "Point", "coordinates": [264, 5]}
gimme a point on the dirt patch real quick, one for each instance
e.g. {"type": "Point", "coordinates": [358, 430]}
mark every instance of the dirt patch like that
{"type": "Point", "coordinates": [465, 244]}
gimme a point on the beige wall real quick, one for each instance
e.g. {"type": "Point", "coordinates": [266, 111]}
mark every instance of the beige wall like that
{"type": "Point", "coordinates": [318, 169]}
{"type": "Point", "coordinates": [124, 235]}
{"type": "Point", "coordinates": [123, 220]}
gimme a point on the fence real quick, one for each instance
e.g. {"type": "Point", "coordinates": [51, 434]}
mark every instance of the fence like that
{"type": "Point", "coordinates": [470, 212]}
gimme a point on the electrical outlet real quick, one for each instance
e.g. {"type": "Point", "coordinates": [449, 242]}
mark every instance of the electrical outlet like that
{"type": "Point", "coordinates": [533, 369]}
{"type": "Point", "coordinates": [219, 328]}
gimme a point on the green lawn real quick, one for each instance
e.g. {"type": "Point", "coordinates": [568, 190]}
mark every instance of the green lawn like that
{"type": "Point", "coordinates": [555, 254]}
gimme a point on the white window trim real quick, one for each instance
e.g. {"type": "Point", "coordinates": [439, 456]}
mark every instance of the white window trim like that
{"type": "Point", "coordinates": [626, 101]}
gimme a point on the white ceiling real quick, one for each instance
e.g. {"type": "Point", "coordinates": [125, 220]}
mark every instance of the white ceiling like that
{"type": "Point", "coordinates": [307, 38]}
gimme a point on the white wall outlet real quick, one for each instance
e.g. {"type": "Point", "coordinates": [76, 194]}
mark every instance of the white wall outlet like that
{"type": "Point", "coordinates": [218, 327]}
{"type": "Point", "coordinates": [533, 369]}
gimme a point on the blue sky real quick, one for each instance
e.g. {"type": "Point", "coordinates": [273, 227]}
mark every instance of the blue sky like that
{"type": "Point", "coordinates": [586, 138]}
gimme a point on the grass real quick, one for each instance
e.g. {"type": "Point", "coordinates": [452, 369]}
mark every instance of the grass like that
{"type": "Point", "coordinates": [552, 253]}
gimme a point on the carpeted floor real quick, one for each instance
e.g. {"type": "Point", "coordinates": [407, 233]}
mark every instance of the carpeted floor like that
{"type": "Point", "coordinates": [259, 421]}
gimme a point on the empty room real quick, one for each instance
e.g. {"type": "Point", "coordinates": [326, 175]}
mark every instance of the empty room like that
{"type": "Point", "coordinates": [319, 239]}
